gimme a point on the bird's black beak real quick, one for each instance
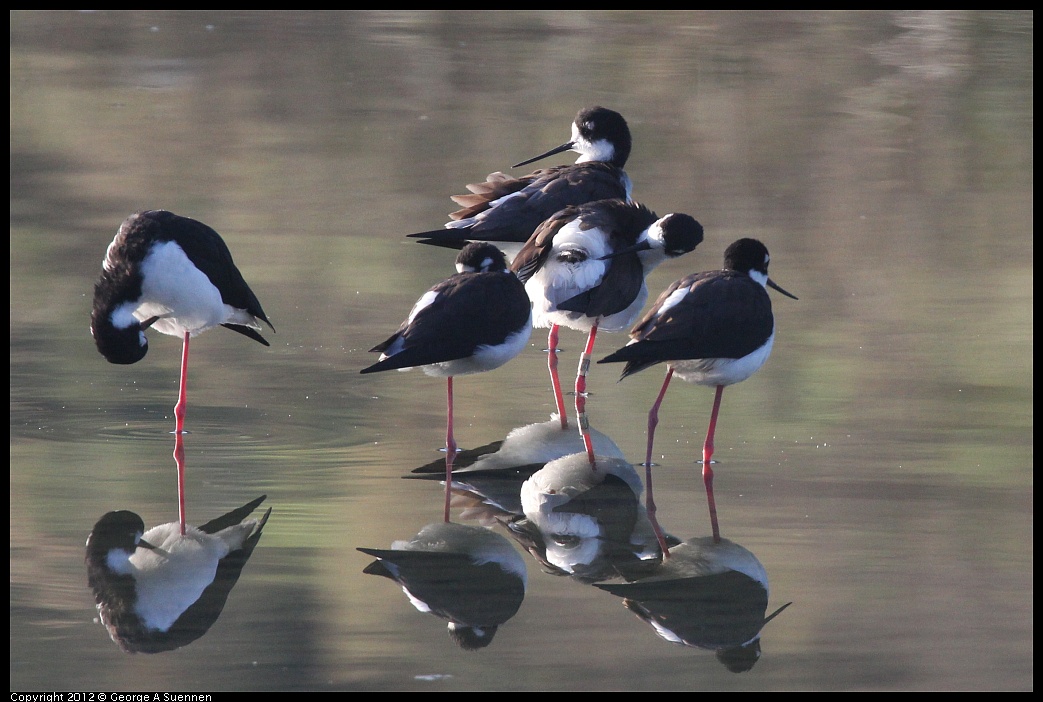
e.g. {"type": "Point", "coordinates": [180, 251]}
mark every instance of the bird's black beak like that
{"type": "Point", "coordinates": [148, 323]}
{"type": "Point", "coordinates": [776, 613]}
{"type": "Point", "coordinates": [774, 286]}
{"type": "Point", "coordinates": [145, 544]}
{"type": "Point", "coordinates": [555, 150]}
{"type": "Point", "coordinates": [639, 246]}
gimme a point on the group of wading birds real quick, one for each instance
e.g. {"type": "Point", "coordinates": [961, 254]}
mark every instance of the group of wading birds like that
{"type": "Point", "coordinates": [584, 250]}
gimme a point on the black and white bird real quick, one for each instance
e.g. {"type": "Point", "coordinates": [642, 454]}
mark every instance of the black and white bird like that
{"type": "Point", "coordinates": [488, 478]}
{"type": "Point", "coordinates": [175, 275]}
{"type": "Point", "coordinates": [468, 575]}
{"type": "Point", "coordinates": [588, 524]}
{"type": "Point", "coordinates": [508, 210]}
{"type": "Point", "coordinates": [709, 594]}
{"type": "Point", "coordinates": [585, 267]}
{"type": "Point", "coordinates": [158, 590]}
{"type": "Point", "coordinates": [714, 328]}
{"type": "Point", "coordinates": [472, 322]}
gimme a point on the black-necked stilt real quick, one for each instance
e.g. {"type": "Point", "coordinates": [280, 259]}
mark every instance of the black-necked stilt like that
{"type": "Point", "coordinates": [710, 594]}
{"type": "Point", "coordinates": [468, 575]}
{"type": "Point", "coordinates": [175, 275]}
{"type": "Point", "coordinates": [506, 209]}
{"type": "Point", "coordinates": [474, 321]}
{"type": "Point", "coordinates": [585, 268]}
{"type": "Point", "coordinates": [158, 590]}
{"type": "Point", "coordinates": [713, 328]}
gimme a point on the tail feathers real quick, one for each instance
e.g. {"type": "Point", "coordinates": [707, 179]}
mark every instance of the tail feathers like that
{"type": "Point", "coordinates": [234, 517]}
{"type": "Point", "coordinates": [455, 238]}
{"type": "Point", "coordinates": [248, 331]}
{"type": "Point", "coordinates": [634, 364]}
{"type": "Point", "coordinates": [412, 357]}
{"type": "Point", "coordinates": [456, 244]}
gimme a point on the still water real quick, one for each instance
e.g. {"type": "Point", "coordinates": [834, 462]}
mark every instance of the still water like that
{"type": "Point", "coordinates": [878, 469]}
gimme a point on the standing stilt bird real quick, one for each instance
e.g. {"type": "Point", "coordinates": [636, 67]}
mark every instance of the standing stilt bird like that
{"type": "Point", "coordinates": [585, 268]}
{"type": "Point", "coordinates": [175, 275]}
{"type": "Point", "coordinates": [472, 322]}
{"type": "Point", "coordinates": [508, 210]}
{"type": "Point", "coordinates": [714, 328]}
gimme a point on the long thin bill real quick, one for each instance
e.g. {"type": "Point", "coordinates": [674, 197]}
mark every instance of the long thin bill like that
{"type": "Point", "coordinates": [639, 246]}
{"type": "Point", "coordinates": [555, 150]}
{"type": "Point", "coordinates": [774, 286]}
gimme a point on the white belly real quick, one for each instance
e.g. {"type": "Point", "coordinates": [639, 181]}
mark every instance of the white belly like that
{"type": "Point", "coordinates": [485, 358]}
{"type": "Point", "coordinates": [722, 371]}
{"type": "Point", "coordinates": [179, 294]}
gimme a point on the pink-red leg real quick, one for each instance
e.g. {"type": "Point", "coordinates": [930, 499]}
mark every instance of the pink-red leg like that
{"type": "Point", "coordinates": [650, 508]}
{"type": "Point", "coordinates": [555, 381]}
{"type": "Point", "coordinates": [653, 416]}
{"type": "Point", "coordinates": [707, 460]}
{"type": "Point", "coordinates": [450, 446]}
{"type": "Point", "coordinates": [182, 398]}
{"type": "Point", "coordinates": [179, 459]}
{"type": "Point", "coordinates": [581, 395]}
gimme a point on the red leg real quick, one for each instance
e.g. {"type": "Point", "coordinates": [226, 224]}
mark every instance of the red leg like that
{"type": "Point", "coordinates": [179, 459]}
{"type": "Point", "coordinates": [584, 363]}
{"type": "Point", "coordinates": [450, 446]}
{"type": "Point", "coordinates": [555, 382]}
{"type": "Point", "coordinates": [581, 396]}
{"type": "Point", "coordinates": [707, 460]}
{"type": "Point", "coordinates": [650, 508]}
{"type": "Point", "coordinates": [182, 398]}
{"type": "Point", "coordinates": [653, 416]}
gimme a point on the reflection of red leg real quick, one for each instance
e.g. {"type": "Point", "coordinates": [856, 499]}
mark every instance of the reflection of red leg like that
{"type": "Point", "coordinates": [707, 459]}
{"type": "Point", "coordinates": [653, 417]}
{"type": "Point", "coordinates": [182, 398]}
{"type": "Point", "coordinates": [450, 446]}
{"type": "Point", "coordinates": [555, 382]}
{"type": "Point", "coordinates": [581, 396]}
{"type": "Point", "coordinates": [179, 459]}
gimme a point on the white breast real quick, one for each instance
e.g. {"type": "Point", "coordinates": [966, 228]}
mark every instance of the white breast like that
{"type": "Point", "coordinates": [558, 280]}
{"type": "Point", "coordinates": [179, 293]}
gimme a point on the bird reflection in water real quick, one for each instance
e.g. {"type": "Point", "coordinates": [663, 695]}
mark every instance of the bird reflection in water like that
{"type": "Point", "coordinates": [468, 575]}
{"type": "Point", "coordinates": [590, 525]}
{"type": "Point", "coordinates": [488, 479]}
{"type": "Point", "coordinates": [161, 589]}
{"type": "Point", "coordinates": [710, 594]}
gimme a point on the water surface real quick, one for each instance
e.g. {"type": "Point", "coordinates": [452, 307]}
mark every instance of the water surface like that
{"type": "Point", "coordinates": [879, 466]}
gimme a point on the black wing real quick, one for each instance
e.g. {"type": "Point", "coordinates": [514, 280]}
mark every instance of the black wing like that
{"type": "Point", "coordinates": [470, 310]}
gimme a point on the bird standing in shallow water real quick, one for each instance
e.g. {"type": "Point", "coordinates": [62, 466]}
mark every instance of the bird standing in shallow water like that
{"type": "Point", "coordinates": [585, 268]}
{"type": "Point", "coordinates": [161, 589]}
{"type": "Point", "coordinates": [175, 275]}
{"type": "Point", "coordinates": [505, 209]}
{"type": "Point", "coordinates": [472, 322]}
{"type": "Point", "coordinates": [714, 328]}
